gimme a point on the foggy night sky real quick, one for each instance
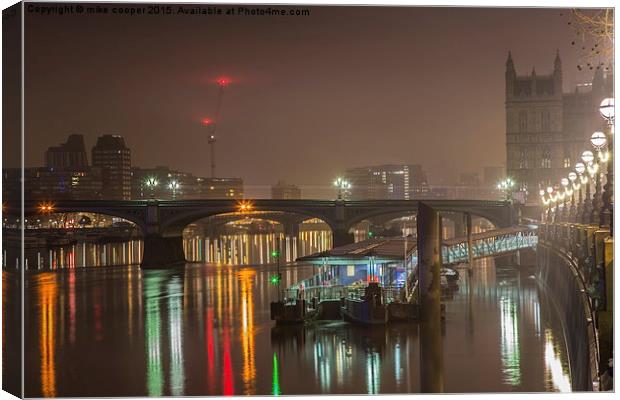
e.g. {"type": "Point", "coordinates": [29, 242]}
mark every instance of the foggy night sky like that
{"type": "Point", "coordinates": [344, 87]}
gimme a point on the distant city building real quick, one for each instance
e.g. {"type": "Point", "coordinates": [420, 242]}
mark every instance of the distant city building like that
{"type": "Point", "coordinates": [173, 184]}
{"type": "Point", "coordinates": [492, 175]}
{"type": "Point", "coordinates": [67, 176]}
{"type": "Point", "coordinates": [460, 192]}
{"type": "Point", "coordinates": [218, 188]}
{"type": "Point", "coordinates": [284, 191]}
{"type": "Point", "coordinates": [385, 181]}
{"type": "Point", "coordinates": [47, 184]}
{"type": "Point", "coordinates": [546, 129]}
{"type": "Point", "coordinates": [114, 158]}
{"type": "Point", "coordinates": [469, 179]}
{"type": "Point", "coordinates": [71, 154]}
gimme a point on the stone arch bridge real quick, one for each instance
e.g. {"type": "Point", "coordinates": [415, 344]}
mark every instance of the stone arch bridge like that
{"type": "Point", "coordinates": [162, 222]}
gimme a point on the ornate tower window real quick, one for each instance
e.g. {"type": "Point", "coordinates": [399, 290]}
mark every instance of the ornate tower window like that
{"type": "Point", "coordinates": [546, 158]}
{"type": "Point", "coordinates": [566, 161]}
{"type": "Point", "coordinates": [545, 121]}
{"type": "Point", "coordinates": [522, 158]}
{"type": "Point", "coordinates": [522, 121]}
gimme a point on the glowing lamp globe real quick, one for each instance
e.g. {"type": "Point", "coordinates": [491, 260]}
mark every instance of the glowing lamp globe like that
{"type": "Point", "coordinates": [564, 182]}
{"type": "Point", "coordinates": [541, 192]}
{"type": "Point", "coordinates": [580, 168]}
{"type": "Point", "coordinates": [598, 140]}
{"type": "Point", "coordinates": [607, 108]}
{"type": "Point", "coordinates": [572, 176]}
{"type": "Point", "coordinates": [587, 156]}
{"type": "Point", "coordinates": [549, 189]}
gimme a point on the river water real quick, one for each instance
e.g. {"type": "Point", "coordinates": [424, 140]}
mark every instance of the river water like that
{"type": "Point", "coordinates": [205, 329]}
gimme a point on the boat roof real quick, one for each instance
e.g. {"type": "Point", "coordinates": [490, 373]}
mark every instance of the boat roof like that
{"type": "Point", "coordinates": [382, 248]}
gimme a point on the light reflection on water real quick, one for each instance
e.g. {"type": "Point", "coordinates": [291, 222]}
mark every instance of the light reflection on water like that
{"type": "Point", "coordinates": [255, 249]}
{"type": "Point", "coordinates": [205, 330]}
{"type": "Point", "coordinates": [237, 249]}
{"type": "Point", "coordinates": [555, 367]}
{"type": "Point", "coordinates": [47, 336]}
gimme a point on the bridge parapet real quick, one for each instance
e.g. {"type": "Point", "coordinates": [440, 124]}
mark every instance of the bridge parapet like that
{"type": "Point", "coordinates": [588, 251]}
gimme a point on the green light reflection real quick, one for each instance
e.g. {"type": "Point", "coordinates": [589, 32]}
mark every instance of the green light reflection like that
{"type": "Point", "coordinates": [275, 385]}
{"type": "Point", "coordinates": [510, 350]}
{"type": "Point", "coordinates": [154, 370]}
{"type": "Point", "coordinates": [177, 372]}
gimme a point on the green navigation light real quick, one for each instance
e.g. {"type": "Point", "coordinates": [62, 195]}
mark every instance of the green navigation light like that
{"type": "Point", "coordinates": [275, 279]}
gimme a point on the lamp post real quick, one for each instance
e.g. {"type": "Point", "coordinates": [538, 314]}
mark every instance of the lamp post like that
{"type": "Point", "coordinates": [342, 185]}
{"type": "Point", "coordinates": [151, 183]}
{"type": "Point", "coordinates": [598, 141]}
{"type": "Point", "coordinates": [173, 185]}
{"type": "Point", "coordinates": [580, 168]}
{"type": "Point", "coordinates": [564, 214]}
{"type": "Point", "coordinates": [595, 215]}
{"type": "Point", "coordinates": [550, 193]}
{"type": "Point", "coordinates": [572, 176]}
{"type": "Point", "coordinates": [607, 213]}
{"type": "Point", "coordinates": [544, 202]}
{"type": "Point", "coordinates": [587, 157]}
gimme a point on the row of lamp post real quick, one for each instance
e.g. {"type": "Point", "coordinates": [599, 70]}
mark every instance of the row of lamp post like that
{"type": "Point", "coordinates": [152, 182]}
{"type": "Point", "coordinates": [595, 204]}
{"type": "Point", "coordinates": [343, 186]}
{"type": "Point", "coordinates": [506, 186]}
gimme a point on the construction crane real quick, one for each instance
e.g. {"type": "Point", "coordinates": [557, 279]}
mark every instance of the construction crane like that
{"type": "Point", "coordinates": [211, 124]}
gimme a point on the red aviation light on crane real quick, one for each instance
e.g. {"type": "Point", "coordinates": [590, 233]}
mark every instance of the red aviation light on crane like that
{"type": "Point", "coordinates": [223, 81]}
{"type": "Point", "coordinates": [207, 121]}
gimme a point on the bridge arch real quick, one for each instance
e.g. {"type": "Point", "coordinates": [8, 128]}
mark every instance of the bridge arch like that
{"type": "Point", "coordinates": [495, 219]}
{"type": "Point", "coordinates": [173, 224]}
{"type": "Point", "coordinates": [133, 216]}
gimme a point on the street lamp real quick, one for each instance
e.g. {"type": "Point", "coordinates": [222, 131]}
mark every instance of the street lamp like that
{"type": "Point", "coordinates": [607, 213]}
{"type": "Point", "coordinates": [245, 206]}
{"type": "Point", "coordinates": [572, 177]}
{"type": "Point", "coordinates": [506, 186]}
{"type": "Point", "coordinates": [587, 157]}
{"type": "Point", "coordinates": [580, 168]}
{"type": "Point", "coordinates": [342, 185]}
{"type": "Point", "coordinates": [173, 185]}
{"type": "Point", "coordinates": [46, 208]}
{"type": "Point", "coordinates": [564, 197]}
{"type": "Point", "coordinates": [544, 201]}
{"type": "Point", "coordinates": [598, 141]}
{"type": "Point", "coordinates": [151, 183]}
{"type": "Point", "coordinates": [550, 202]}
{"type": "Point", "coordinates": [607, 109]}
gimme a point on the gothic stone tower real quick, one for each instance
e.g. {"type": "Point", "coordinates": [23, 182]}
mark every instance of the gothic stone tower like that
{"type": "Point", "coordinates": [546, 130]}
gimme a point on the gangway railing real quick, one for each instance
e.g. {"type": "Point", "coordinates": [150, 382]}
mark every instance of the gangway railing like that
{"type": "Point", "coordinates": [491, 243]}
{"type": "Point", "coordinates": [315, 292]}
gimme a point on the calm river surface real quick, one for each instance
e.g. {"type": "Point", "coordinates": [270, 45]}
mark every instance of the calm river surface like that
{"type": "Point", "coordinates": [205, 330]}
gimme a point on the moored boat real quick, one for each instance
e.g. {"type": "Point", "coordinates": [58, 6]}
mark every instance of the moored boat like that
{"type": "Point", "coordinates": [368, 310]}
